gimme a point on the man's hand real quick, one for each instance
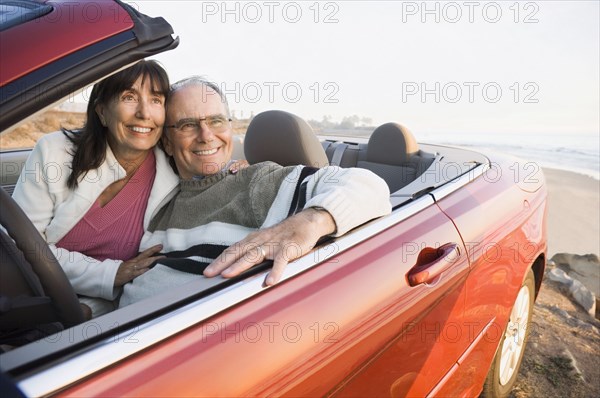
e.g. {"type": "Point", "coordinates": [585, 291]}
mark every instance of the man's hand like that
{"type": "Point", "coordinates": [282, 243]}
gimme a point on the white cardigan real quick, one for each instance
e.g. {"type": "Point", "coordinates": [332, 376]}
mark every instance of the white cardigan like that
{"type": "Point", "coordinates": [55, 209]}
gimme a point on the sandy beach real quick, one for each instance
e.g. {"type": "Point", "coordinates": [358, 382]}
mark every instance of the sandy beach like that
{"type": "Point", "coordinates": [573, 213]}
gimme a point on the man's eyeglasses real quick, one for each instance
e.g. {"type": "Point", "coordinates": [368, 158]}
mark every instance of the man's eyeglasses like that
{"type": "Point", "coordinates": [217, 124]}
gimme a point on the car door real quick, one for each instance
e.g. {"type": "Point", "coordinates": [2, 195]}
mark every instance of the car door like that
{"type": "Point", "coordinates": [425, 336]}
{"type": "Point", "coordinates": [351, 326]}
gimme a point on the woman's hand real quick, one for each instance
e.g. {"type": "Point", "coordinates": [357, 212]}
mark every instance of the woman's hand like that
{"type": "Point", "coordinates": [238, 165]}
{"type": "Point", "coordinates": [131, 269]}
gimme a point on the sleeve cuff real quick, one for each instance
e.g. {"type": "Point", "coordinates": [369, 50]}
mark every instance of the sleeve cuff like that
{"type": "Point", "coordinates": [108, 290]}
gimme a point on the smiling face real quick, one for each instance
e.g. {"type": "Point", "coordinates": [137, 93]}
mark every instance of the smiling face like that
{"type": "Point", "coordinates": [205, 151]}
{"type": "Point", "coordinates": [134, 119]}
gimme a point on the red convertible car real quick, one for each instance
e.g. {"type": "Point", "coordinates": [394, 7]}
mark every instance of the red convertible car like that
{"type": "Point", "coordinates": [434, 299]}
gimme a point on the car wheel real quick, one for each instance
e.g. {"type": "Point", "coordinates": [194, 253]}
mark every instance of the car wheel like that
{"type": "Point", "coordinates": [505, 367]}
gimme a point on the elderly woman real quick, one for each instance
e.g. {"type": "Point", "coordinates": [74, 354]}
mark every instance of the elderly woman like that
{"type": "Point", "coordinates": [92, 192]}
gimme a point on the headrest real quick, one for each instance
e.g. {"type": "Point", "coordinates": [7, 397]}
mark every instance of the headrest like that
{"type": "Point", "coordinates": [391, 143]}
{"type": "Point", "coordinates": [283, 138]}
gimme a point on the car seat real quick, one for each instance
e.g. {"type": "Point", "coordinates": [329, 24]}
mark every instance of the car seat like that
{"type": "Point", "coordinates": [394, 155]}
{"type": "Point", "coordinates": [283, 138]}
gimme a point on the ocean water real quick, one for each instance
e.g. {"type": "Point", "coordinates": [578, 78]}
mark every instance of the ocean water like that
{"type": "Point", "coordinates": [579, 153]}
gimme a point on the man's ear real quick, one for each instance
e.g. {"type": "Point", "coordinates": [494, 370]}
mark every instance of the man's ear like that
{"type": "Point", "coordinates": [100, 112]}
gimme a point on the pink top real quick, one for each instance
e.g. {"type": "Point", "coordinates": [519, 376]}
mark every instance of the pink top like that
{"type": "Point", "coordinates": [115, 230]}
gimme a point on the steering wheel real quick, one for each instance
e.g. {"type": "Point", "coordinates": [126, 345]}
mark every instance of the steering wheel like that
{"type": "Point", "coordinates": [42, 261]}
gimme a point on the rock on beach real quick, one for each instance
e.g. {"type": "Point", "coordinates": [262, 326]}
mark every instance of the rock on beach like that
{"type": "Point", "coordinates": [580, 276]}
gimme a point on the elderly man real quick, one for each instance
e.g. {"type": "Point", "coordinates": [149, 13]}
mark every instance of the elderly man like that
{"type": "Point", "coordinates": [224, 223]}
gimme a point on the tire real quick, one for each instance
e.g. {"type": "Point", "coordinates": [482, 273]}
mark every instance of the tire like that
{"type": "Point", "coordinates": [505, 366]}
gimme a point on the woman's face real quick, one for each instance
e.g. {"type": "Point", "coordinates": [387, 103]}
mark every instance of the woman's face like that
{"type": "Point", "coordinates": [134, 119]}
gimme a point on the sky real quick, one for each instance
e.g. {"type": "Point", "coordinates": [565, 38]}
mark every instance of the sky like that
{"type": "Point", "coordinates": [435, 66]}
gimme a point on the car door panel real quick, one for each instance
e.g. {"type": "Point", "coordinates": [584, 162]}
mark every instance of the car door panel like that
{"type": "Point", "coordinates": [350, 312]}
{"type": "Point", "coordinates": [426, 342]}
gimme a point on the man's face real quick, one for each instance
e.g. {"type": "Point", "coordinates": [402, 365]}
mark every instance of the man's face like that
{"type": "Point", "coordinates": [202, 151]}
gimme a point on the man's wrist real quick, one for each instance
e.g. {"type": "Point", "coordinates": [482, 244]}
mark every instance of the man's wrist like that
{"type": "Point", "coordinates": [322, 219]}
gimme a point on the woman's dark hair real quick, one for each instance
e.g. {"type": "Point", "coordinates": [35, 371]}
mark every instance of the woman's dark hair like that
{"type": "Point", "coordinates": [90, 142]}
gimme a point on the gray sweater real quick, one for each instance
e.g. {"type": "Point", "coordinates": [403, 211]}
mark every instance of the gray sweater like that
{"type": "Point", "coordinates": [210, 214]}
